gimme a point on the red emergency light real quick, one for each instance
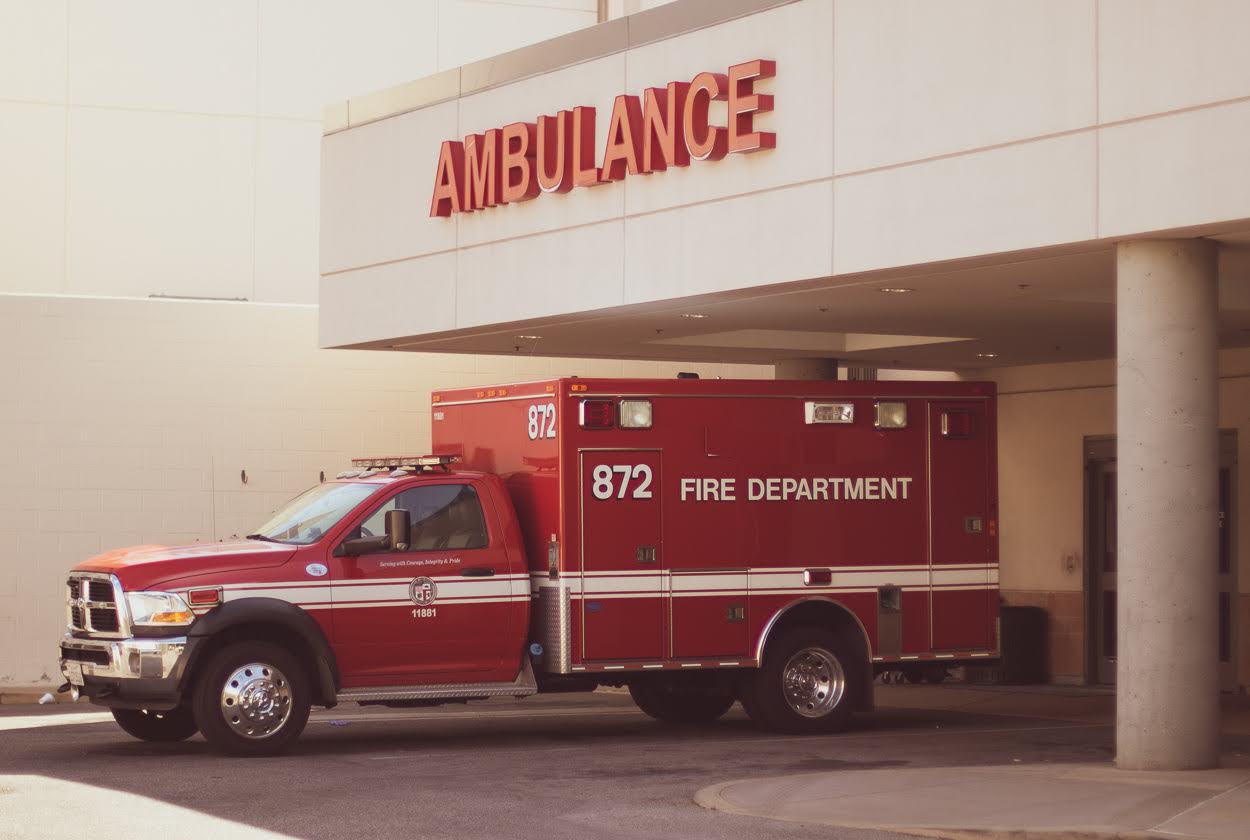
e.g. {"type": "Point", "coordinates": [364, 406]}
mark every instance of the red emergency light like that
{"type": "Point", "coordinates": [597, 414]}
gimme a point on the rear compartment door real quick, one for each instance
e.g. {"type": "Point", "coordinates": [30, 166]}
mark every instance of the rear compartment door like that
{"type": "Point", "coordinates": [622, 603]}
{"type": "Point", "coordinates": [961, 547]}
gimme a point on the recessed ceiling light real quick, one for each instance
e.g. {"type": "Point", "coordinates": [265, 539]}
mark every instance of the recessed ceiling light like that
{"type": "Point", "coordinates": [529, 337]}
{"type": "Point", "coordinates": [987, 355]}
{"type": "Point", "coordinates": [895, 290]}
{"type": "Point", "coordinates": [692, 315]}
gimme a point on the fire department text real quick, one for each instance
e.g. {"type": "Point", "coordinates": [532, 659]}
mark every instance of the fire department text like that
{"type": "Point", "coordinates": [796, 489]}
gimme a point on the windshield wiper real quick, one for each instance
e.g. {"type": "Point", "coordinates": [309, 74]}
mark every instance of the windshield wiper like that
{"type": "Point", "coordinates": [263, 538]}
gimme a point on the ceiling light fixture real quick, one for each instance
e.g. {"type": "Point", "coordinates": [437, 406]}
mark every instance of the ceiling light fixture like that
{"type": "Point", "coordinates": [987, 355]}
{"type": "Point", "coordinates": [692, 315]}
{"type": "Point", "coordinates": [529, 337]}
{"type": "Point", "coordinates": [895, 290]}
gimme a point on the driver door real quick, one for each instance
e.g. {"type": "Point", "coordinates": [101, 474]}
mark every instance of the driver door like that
{"type": "Point", "coordinates": [433, 611]}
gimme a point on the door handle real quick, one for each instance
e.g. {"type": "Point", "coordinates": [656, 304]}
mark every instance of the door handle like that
{"type": "Point", "coordinates": [477, 571]}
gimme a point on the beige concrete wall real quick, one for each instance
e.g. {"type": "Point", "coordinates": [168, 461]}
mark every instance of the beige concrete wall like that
{"type": "Point", "coordinates": [126, 422]}
{"type": "Point", "coordinates": [1045, 414]}
{"type": "Point", "coordinates": [157, 147]}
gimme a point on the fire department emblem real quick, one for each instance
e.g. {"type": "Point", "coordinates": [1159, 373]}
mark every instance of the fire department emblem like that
{"type": "Point", "coordinates": [422, 591]}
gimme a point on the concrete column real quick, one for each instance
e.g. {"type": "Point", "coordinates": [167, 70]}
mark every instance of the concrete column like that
{"type": "Point", "coordinates": [1167, 692]}
{"type": "Point", "coordinates": [806, 369]}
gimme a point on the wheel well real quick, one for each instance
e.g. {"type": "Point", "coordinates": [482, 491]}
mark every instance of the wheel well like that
{"type": "Point", "coordinates": [285, 637]}
{"type": "Point", "coordinates": [827, 615]}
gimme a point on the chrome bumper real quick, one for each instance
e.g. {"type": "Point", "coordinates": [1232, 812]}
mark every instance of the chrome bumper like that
{"type": "Point", "coordinates": [128, 659]}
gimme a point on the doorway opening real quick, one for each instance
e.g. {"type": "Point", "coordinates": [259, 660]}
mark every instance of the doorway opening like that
{"type": "Point", "coordinates": [1101, 561]}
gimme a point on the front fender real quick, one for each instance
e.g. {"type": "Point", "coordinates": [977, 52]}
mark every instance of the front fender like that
{"type": "Point", "coordinates": [284, 616]}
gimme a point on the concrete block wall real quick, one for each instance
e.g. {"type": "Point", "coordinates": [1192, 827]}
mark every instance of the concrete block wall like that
{"type": "Point", "coordinates": [126, 422]}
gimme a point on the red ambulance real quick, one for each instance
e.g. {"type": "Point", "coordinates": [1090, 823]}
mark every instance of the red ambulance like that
{"type": "Point", "coordinates": [699, 541]}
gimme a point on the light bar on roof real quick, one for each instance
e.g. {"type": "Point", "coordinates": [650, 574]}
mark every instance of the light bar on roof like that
{"type": "Point", "coordinates": [395, 462]}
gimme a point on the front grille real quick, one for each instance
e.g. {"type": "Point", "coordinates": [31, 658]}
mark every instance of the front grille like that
{"type": "Point", "coordinates": [104, 619]}
{"type": "Point", "coordinates": [92, 605]}
{"type": "Point", "coordinates": [95, 657]}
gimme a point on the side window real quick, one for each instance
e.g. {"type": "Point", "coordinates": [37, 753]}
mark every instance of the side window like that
{"type": "Point", "coordinates": [443, 516]}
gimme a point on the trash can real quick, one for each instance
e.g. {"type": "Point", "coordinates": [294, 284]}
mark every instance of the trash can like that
{"type": "Point", "coordinates": [1025, 653]}
{"type": "Point", "coordinates": [1025, 645]}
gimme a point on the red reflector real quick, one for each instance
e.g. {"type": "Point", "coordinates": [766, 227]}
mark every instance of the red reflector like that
{"type": "Point", "coordinates": [203, 597]}
{"type": "Point", "coordinates": [956, 423]}
{"type": "Point", "coordinates": [598, 414]}
{"type": "Point", "coordinates": [817, 577]}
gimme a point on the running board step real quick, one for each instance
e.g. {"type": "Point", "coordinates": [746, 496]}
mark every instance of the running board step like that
{"type": "Point", "coordinates": [523, 686]}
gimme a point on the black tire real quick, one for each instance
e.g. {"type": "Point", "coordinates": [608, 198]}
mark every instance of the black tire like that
{"type": "Point", "coordinates": [828, 661]}
{"type": "Point", "coordinates": [662, 702]}
{"type": "Point", "coordinates": [915, 677]}
{"type": "Point", "coordinates": [174, 725]}
{"type": "Point", "coordinates": [935, 676]}
{"type": "Point", "coordinates": [277, 690]}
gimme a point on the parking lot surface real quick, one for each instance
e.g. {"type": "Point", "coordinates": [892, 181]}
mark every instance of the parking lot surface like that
{"type": "Point", "coordinates": [555, 766]}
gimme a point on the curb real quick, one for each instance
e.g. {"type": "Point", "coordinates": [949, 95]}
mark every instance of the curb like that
{"type": "Point", "coordinates": [29, 695]}
{"type": "Point", "coordinates": [710, 797]}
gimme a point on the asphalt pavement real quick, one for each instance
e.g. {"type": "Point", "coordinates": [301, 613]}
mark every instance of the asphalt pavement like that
{"type": "Point", "coordinates": [571, 766]}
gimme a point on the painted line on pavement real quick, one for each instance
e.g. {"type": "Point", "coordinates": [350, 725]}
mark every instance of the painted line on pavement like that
{"type": "Point", "coordinates": [36, 721]}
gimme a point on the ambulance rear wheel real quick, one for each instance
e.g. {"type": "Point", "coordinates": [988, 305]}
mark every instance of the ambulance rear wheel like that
{"type": "Point", "coordinates": [663, 703]}
{"type": "Point", "coordinates": [173, 725]}
{"type": "Point", "coordinates": [807, 684]}
{"type": "Point", "coordinates": [252, 698]}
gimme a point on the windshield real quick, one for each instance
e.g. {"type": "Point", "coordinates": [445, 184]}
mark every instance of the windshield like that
{"type": "Point", "coordinates": [309, 515]}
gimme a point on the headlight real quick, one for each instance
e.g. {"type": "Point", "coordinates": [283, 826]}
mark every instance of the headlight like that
{"type": "Point", "coordinates": [158, 609]}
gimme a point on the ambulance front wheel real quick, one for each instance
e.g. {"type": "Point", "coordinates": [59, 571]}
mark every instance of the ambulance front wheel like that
{"type": "Point", "coordinates": [252, 698]}
{"type": "Point", "coordinates": [807, 684]}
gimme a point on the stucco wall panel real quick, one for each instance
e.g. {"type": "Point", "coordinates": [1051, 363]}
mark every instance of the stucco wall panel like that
{"type": "Point", "coordinates": [286, 211]}
{"type": "Point", "coordinates": [539, 275]}
{"type": "Point", "coordinates": [1160, 55]}
{"type": "Point", "coordinates": [205, 52]}
{"type": "Point", "coordinates": [32, 50]}
{"type": "Point", "coordinates": [748, 240]}
{"type": "Point", "coordinates": [915, 79]}
{"type": "Point", "coordinates": [376, 182]}
{"type": "Point", "coordinates": [470, 30]}
{"type": "Point", "coordinates": [1019, 196]}
{"type": "Point", "coordinates": [143, 220]}
{"type": "Point", "coordinates": [386, 297]}
{"type": "Point", "coordinates": [1176, 170]}
{"type": "Point", "coordinates": [797, 37]}
{"type": "Point", "coordinates": [1041, 470]}
{"type": "Point", "coordinates": [32, 247]}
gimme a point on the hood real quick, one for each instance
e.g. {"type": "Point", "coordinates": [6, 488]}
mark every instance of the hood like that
{"type": "Point", "coordinates": [144, 566]}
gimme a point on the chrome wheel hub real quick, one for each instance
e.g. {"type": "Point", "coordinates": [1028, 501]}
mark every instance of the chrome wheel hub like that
{"type": "Point", "coordinates": [256, 700]}
{"type": "Point", "coordinates": [813, 682]}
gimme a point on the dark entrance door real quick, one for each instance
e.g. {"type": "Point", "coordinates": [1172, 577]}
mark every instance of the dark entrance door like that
{"type": "Point", "coordinates": [1102, 562]}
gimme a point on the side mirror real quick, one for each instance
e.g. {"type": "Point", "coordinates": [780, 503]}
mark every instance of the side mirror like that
{"type": "Point", "coordinates": [398, 529]}
{"type": "Point", "coordinates": [363, 545]}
